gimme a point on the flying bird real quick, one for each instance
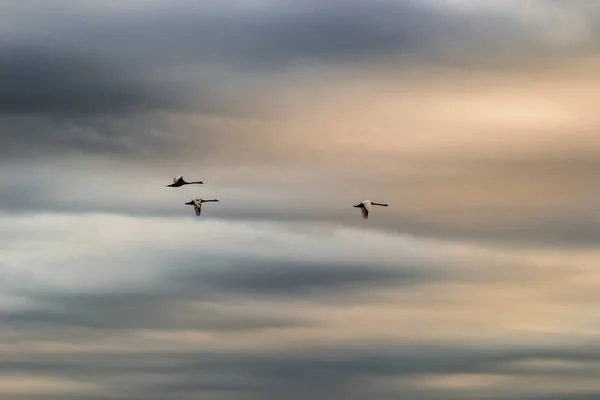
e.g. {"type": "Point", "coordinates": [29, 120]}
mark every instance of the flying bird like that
{"type": "Point", "coordinates": [365, 207]}
{"type": "Point", "coordinates": [197, 203]}
{"type": "Point", "coordinates": [179, 181]}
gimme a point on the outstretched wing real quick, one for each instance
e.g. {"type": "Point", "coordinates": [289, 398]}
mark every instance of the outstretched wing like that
{"type": "Point", "coordinates": [198, 206]}
{"type": "Point", "coordinates": [366, 204]}
{"type": "Point", "coordinates": [365, 212]}
{"type": "Point", "coordinates": [177, 178]}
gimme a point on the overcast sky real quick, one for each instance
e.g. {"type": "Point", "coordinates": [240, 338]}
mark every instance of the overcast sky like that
{"type": "Point", "coordinates": [476, 120]}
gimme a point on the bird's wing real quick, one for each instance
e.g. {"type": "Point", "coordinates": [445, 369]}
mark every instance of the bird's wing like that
{"type": "Point", "coordinates": [365, 212]}
{"type": "Point", "coordinates": [177, 178]}
{"type": "Point", "coordinates": [367, 205]}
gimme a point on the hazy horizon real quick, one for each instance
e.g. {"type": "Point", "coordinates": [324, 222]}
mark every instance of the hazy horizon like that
{"type": "Point", "coordinates": [475, 120]}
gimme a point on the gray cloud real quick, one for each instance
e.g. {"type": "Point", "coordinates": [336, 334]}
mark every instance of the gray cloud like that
{"type": "Point", "coordinates": [144, 311]}
{"type": "Point", "coordinates": [38, 80]}
{"type": "Point", "coordinates": [318, 373]}
{"type": "Point", "coordinates": [272, 35]}
{"type": "Point", "coordinates": [182, 299]}
{"type": "Point", "coordinates": [57, 100]}
{"type": "Point", "coordinates": [72, 63]}
{"type": "Point", "coordinates": [143, 59]}
{"type": "Point", "coordinates": [569, 396]}
{"type": "Point", "coordinates": [101, 106]}
{"type": "Point", "coordinates": [213, 292]}
{"type": "Point", "coordinates": [292, 278]}
{"type": "Point", "coordinates": [63, 101]}
{"type": "Point", "coordinates": [28, 137]}
{"type": "Point", "coordinates": [544, 199]}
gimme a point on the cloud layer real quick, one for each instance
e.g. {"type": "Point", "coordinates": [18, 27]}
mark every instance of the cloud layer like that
{"type": "Point", "coordinates": [475, 120]}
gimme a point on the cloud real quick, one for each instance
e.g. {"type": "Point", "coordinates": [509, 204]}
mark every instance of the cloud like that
{"type": "Point", "coordinates": [540, 197]}
{"type": "Point", "coordinates": [151, 312]}
{"type": "Point", "coordinates": [52, 100]}
{"type": "Point", "coordinates": [121, 79]}
{"type": "Point", "coordinates": [185, 300]}
{"type": "Point", "coordinates": [159, 275]}
{"type": "Point", "coordinates": [36, 80]}
{"type": "Point", "coordinates": [182, 289]}
{"type": "Point", "coordinates": [336, 370]}
{"type": "Point", "coordinates": [475, 121]}
{"type": "Point", "coordinates": [139, 60]}
{"type": "Point", "coordinates": [16, 385]}
{"type": "Point", "coordinates": [266, 34]}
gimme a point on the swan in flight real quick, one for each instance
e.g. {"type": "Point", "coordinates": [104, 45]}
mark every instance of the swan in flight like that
{"type": "Point", "coordinates": [365, 207]}
{"type": "Point", "coordinates": [179, 181]}
{"type": "Point", "coordinates": [197, 203]}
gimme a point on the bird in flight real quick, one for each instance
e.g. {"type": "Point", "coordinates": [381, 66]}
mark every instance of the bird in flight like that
{"type": "Point", "coordinates": [179, 181]}
{"type": "Point", "coordinates": [365, 207]}
{"type": "Point", "coordinates": [197, 203]}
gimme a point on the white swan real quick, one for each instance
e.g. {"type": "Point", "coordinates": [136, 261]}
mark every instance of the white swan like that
{"type": "Point", "coordinates": [365, 207]}
{"type": "Point", "coordinates": [197, 203]}
{"type": "Point", "coordinates": [179, 181]}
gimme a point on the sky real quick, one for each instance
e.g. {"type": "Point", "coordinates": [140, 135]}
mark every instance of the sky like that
{"type": "Point", "coordinates": [476, 121]}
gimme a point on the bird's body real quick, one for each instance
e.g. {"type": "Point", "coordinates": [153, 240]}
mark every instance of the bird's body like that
{"type": "Point", "coordinates": [178, 181]}
{"type": "Point", "coordinates": [366, 206]}
{"type": "Point", "coordinates": [197, 203]}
